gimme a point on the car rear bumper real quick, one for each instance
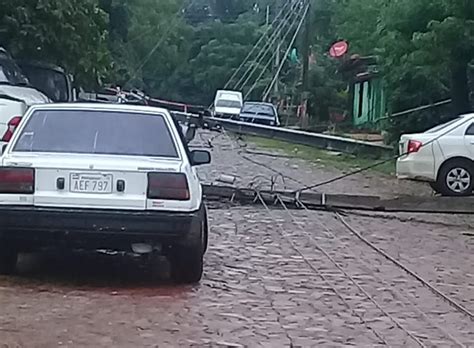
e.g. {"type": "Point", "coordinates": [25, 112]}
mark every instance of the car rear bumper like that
{"type": "Point", "coordinates": [32, 226]}
{"type": "Point", "coordinates": [227, 116]}
{"type": "Point", "coordinates": [414, 169]}
{"type": "Point", "coordinates": [256, 120]}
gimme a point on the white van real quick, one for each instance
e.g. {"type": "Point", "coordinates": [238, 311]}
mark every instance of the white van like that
{"type": "Point", "coordinates": [228, 104]}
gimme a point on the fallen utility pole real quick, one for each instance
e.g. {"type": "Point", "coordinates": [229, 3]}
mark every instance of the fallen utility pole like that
{"type": "Point", "coordinates": [318, 201]}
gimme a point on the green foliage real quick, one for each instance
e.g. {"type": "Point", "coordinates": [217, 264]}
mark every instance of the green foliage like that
{"type": "Point", "coordinates": [217, 49]}
{"type": "Point", "coordinates": [186, 50]}
{"type": "Point", "coordinates": [70, 33]}
{"type": "Point", "coordinates": [424, 48]}
{"type": "Point", "coordinates": [156, 44]}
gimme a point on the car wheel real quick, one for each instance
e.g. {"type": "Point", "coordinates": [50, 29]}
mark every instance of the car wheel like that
{"type": "Point", "coordinates": [187, 264]}
{"type": "Point", "coordinates": [456, 178]}
{"type": "Point", "coordinates": [8, 260]}
{"type": "Point", "coordinates": [205, 230]}
{"type": "Point", "coordinates": [187, 260]}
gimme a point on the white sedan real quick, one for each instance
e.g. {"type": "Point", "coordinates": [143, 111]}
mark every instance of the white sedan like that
{"type": "Point", "coordinates": [442, 156]}
{"type": "Point", "coordinates": [99, 176]}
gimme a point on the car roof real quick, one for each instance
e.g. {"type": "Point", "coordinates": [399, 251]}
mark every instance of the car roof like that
{"type": "Point", "coordinates": [258, 103]}
{"type": "Point", "coordinates": [41, 65]}
{"type": "Point", "coordinates": [102, 107]}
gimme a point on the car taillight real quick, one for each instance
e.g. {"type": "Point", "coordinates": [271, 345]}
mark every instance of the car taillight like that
{"type": "Point", "coordinates": [12, 124]}
{"type": "Point", "coordinates": [17, 180]}
{"type": "Point", "coordinates": [414, 146]}
{"type": "Point", "coordinates": [169, 186]}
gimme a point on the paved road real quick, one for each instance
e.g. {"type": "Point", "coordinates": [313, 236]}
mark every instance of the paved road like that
{"type": "Point", "coordinates": [274, 278]}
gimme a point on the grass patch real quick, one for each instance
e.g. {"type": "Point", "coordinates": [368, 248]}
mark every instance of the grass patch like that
{"type": "Point", "coordinates": [340, 161]}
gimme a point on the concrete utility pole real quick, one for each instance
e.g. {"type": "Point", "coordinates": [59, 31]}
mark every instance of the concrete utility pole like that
{"type": "Point", "coordinates": [306, 53]}
{"type": "Point", "coordinates": [277, 64]}
{"type": "Point", "coordinates": [305, 74]}
{"type": "Point", "coordinates": [277, 55]}
{"type": "Point", "coordinates": [268, 15]}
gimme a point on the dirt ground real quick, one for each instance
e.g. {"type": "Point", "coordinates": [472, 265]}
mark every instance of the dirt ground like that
{"type": "Point", "coordinates": [273, 278]}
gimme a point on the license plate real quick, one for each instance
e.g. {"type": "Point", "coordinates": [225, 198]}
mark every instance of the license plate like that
{"type": "Point", "coordinates": [91, 183]}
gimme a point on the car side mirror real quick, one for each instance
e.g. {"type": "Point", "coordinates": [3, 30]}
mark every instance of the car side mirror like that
{"type": "Point", "coordinates": [200, 157]}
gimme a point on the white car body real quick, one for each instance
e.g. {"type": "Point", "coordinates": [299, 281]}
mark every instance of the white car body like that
{"type": "Point", "coordinates": [15, 96]}
{"type": "Point", "coordinates": [436, 147]}
{"type": "Point", "coordinates": [228, 104]}
{"type": "Point", "coordinates": [103, 176]}
{"type": "Point", "coordinates": [14, 101]}
{"type": "Point", "coordinates": [132, 169]}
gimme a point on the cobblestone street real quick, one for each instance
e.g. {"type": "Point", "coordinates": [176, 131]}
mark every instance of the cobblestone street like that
{"type": "Point", "coordinates": [273, 278]}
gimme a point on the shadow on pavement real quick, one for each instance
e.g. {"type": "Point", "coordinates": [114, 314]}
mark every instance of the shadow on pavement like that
{"type": "Point", "coordinates": [95, 271]}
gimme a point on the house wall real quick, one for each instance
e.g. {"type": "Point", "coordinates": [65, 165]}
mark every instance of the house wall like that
{"type": "Point", "coordinates": [369, 103]}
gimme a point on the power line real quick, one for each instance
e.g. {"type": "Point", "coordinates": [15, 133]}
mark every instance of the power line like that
{"type": "Point", "coordinates": [267, 92]}
{"type": "Point", "coordinates": [420, 108]}
{"type": "Point", "coordinates": [338, 178]}
{"type": "Point", "coordinates": [266, 48]}
{"type": "Point", "coordinates": [158, 44]}
{"type": "Point", "coordinates": [254, 48]}
{"type": "Point", "coordinates": [272, 57]}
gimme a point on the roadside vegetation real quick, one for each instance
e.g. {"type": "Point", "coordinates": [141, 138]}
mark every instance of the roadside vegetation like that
{"type": "Point", "coordinates": [337, 160]}
{"type": "Point", "coordinates": [184, 50]}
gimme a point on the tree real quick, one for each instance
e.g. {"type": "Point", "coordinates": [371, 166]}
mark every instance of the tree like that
{"type": "Point", "coordinates": [119, 18]}
{"type": "Point", "coordinates": [72, 34]}
{"type": "Point", "coordinates": [217, 49]}
{"type": "Point", "coordinates": [157, 43]}
{"type": "Point", "coordinates": [424, 47]}
{"type": "Point", "coordinates": [448, 41]}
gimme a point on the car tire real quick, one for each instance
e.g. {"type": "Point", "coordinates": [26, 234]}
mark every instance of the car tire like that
{"type": "Point", "coordinates": [456, 178]}
{"type": "Point", "coordinates": [187, 260]}
{"type": "Point", "coordinates": [187, 264]}
{"type": "Point", "coordinates": [8, 260]}
{"type": "Point", "coordinates": [205, 230]}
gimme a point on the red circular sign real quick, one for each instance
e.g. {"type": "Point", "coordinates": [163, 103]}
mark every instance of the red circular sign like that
{"type": "Point", "coordinates": [339, 49]}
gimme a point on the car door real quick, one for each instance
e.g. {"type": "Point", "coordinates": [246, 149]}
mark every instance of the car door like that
{"type": "Point", "coordinates": [469, 140]}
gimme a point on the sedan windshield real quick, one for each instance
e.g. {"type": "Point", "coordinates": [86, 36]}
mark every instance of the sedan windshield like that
{"type": "Point", "coordinates": [259, 109]}
{"type": "Point", "coordinates": [228, 104]}
{"type": "Point", "coordinates": [97, 132]}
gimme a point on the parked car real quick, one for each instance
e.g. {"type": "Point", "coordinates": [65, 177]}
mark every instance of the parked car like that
{"type": "Point", "coordinates": [16, 96]}
{"type": "Point", "coordinates": [227, 104]}
{"type": "Point", "coordinates": [442, 156]}
{"type": "Point", "coordinates": [50, 79]}
{"type": "Point", "coordinates": [261, 113]}
{"type": "Point", "coordinates": [103, 176]}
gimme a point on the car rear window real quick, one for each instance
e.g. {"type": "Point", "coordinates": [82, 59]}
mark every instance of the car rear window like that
{"type": "Point", "coordinates": [97, 132]}
{"type": "Point", "coordinates": [442, 126]}
{"type": "Point", "coordinates": [228, 104]}
{"type": "Point", "coordinates": [265, 110]}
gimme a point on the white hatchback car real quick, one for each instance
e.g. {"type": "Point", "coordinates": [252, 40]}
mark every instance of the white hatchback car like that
{"type": "Point", "coordinates": [103, 176]}
{"type": "Point", "coordinates": [442, 156]}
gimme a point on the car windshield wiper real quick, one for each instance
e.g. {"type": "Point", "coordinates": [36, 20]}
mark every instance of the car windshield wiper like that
{"type": "Point", "coordinates": [263, 114]}
{"type": "Point", "coordinates": [22, 84]}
